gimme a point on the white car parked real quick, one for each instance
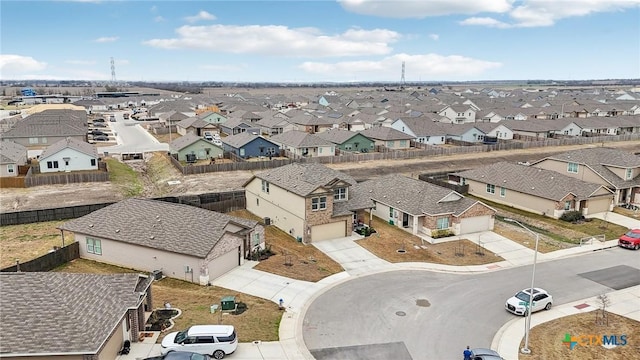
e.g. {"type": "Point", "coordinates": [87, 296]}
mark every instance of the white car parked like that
{"type": "Point", "coordinates": [214, 340]}
{"type": "Point", "coordinates": [518, 304]}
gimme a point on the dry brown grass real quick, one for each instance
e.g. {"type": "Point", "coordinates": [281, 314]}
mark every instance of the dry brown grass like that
{"type": "Point", "coordinates": [260, 321]}
{"type": "Point", "coordinates": [388, 239]}
{"type": "Point", "coordinates": [29, 241]}
{"type": "Point", "coordinates": [524, 238]}
{"type": "Point", "coordinates": [545, 340]}
{"type": "Point", "coordinates": [292, 259]}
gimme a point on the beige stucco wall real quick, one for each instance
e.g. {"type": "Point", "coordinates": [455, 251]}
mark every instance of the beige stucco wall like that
{"type": "Point", "coordinates": [4, 170]}
{"type": "Point", "coordinates": [584, 173]}
{"type": "Point", "coordinates": [513, 198]}
{"type": "Point", "coordinates": [285, 209]}
{"type": "Point", "coordinates": [113, 345]}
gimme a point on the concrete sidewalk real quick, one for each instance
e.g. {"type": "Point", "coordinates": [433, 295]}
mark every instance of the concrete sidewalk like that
{"type": "Point", "coordinates": [507, 340]}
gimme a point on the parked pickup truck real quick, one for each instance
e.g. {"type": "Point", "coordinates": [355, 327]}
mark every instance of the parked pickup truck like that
{"type": "Point", "coordinates": [126, 115]}
{"type": "Point", "coordinates": [630, 240]}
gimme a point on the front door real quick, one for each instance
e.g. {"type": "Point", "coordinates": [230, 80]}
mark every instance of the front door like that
{"type": "Point", "coordinates": [405, 220]}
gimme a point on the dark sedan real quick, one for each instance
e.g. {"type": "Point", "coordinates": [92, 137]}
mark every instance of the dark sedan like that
{"type": "Point", "coordinates": [180, 355]}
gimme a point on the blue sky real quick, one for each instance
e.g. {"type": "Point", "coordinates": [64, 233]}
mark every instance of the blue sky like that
{"type": "Point", "coordinates": [320, 41]}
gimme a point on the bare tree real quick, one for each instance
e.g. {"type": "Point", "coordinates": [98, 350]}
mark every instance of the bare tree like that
{"type": "Point", "coordinates": [601, 314]}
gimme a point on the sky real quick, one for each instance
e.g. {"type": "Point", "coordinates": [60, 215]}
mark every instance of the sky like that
{"type": "Point", "coordinates": [320, 41]}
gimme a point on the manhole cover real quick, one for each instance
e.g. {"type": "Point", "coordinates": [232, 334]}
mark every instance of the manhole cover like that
{"type": "Point", "coordinates": [401, 251]}
{"type": "Point", "coordinates": [401, 313]}
{"type": "Point", "coordinates": [423, 302]}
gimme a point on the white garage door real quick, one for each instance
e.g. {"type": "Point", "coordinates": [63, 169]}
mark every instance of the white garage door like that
{"type": "Point", "coordinates": [328, 231]}
{"type": "Point", "coordinates": [599, 205]}
{"type": "Point", "coordinates": [224, 263]}
{"type": "Point", "coordinates": [475, 224]}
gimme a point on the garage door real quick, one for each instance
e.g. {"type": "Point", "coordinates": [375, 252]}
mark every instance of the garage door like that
{"type": "Point", "coordinates": [328, 231]}
{"type": "Point", "coordinates": [224, 263]}
{"type": "Point", "coordinates": [475, 224]}
{"type": "Point", "coordinates": [599, 205]}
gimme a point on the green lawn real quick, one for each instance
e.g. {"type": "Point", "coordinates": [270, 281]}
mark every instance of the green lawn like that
{"type": "Point", "coordinates": [124, 177]}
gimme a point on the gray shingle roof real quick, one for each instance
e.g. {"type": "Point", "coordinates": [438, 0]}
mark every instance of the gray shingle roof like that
{"type": "Point", "coordinates": [416, 197]}
{"type": "Point", "coordinates": [298, 139]}
{"type": "Point", "coordinates": [54, 313]}
{"type": "Point", "coordinates": [303, 179]}
{"type": "Point", "coordinates": [186, 140]}
{"type": "Point", "coordinates": [385, 133]}
{"type": "Point", "coordinates": [70, 143]}
{"type": "Point", "coordinates": [177, 228]}
{"type": "Point", "coordinates": [239, 140]}
{"type": "Point", "coordinates": [50, 123]}
{"type": "Point", "coordinates": [530, 180]}
{"type": "Point", "coordinates": [598, 159]}
{"type": "Point", "coordinates": [11, 152]}
{"type": "Point", "coordinates": [337, 136]}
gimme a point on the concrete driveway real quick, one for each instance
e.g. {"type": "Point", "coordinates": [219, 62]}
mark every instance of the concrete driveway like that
{"type": "Point", "coordinates": [618, 219]}
{"type": "Point", "coordinates": [355, 259]}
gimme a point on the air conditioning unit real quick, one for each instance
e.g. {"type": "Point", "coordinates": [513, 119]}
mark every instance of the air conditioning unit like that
{"type": "Point", "coordinates": [267, 221]}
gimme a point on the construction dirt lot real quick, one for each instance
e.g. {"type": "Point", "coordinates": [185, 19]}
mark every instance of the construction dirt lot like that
{"type": "Point", "coordinates": [157, 174]}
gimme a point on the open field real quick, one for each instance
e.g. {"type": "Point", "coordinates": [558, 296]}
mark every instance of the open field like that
{"type": "Point", "coordinates": [545, 340]}
{"type": "Point", "coordinates": [29, 241]}
{"type": "Point", "coordinates": [260, 321]}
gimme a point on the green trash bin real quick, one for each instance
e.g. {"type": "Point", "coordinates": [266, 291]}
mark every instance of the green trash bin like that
{"type": "Point", "coordinates": [228, 303]}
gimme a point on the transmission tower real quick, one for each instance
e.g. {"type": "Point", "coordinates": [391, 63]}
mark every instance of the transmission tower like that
{"type": "Point", "coordinates": [113, 71]}
{"type": "Point", "coordinates": [402, 81]}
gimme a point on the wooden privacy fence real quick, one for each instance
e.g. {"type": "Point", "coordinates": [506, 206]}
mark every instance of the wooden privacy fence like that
{"type": "Point", "coordinates": [63, 213]}
{"type": "Point", "coordinates": [387, 154]}
{"type": "Point", "coordinates": [48, 262]}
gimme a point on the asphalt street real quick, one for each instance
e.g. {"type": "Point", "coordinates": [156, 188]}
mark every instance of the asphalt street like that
{"type": "Point", "coordinates": [428, 315]}
{"type": "Point", "coordinates": [132, 138]}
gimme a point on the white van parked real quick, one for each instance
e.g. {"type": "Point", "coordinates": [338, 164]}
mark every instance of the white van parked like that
{"type": "Point", "coordinates": [214, 340]}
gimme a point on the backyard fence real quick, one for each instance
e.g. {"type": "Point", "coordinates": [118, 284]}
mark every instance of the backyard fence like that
{"type": "Point", "coordinates": [49, 261]}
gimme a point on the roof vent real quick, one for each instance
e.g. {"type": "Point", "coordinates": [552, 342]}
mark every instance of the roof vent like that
{"type": "Point", "coordinates": [398, 202]}
{"type": "Point", "coordinates": [152, 237]}
{"type": "Point", "coordinates": [533, 188]}
{"type": "Point", "coordinates": [504, 181]}
{"type": "Point", "coordinates": [117, 230]}
{"type": "Point", "coordinates": [90, 225]}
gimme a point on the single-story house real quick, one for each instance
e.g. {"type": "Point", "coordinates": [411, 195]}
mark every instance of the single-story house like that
{"type": "Point", "coordinates": [69, 154]}
{"type": "Point", "coordinates": [424, 209]}
{"type": "Point", "coordinates": [309, 201]}
{"type": "Point", "coordinates": [184, 242]}
{"type": "Point", "coordinates": [388, 137]}
{"type": "Point", "coordinates": [346, 140]}
{"type": "Point", "coordinates": [12, 155]}
{"type": "Point", "coordinates": [304, 144]}
{"type": "Point", "coordinates": [614, 168]}
{"type": "Point", "coordinates": [44, 128]}
{"type": "Point", "coordinates": [237, 125]}
{"type": "Point", "coordinates": [422, 129]}
{"type": "Point", "coordinates": [535, 190]}
{"type": "Point", "coordinates": [247, 145]}
{"type": "Point", "coordinates": [67, 316]}
{"type": "Point", "coordinates": [191, 147]}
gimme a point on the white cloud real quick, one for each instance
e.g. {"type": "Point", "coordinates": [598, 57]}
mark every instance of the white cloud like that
{"type": "Point", "coordinates": [279, 41]}
{"type": "Point", "coordinates": [202, 15]}
{"type": "Point", "coordinates": [427, 66]}
{"type": "Point", "coordinates": [424, 8]}
{"type": "Point", "coordinates": [485, 21]}
{"type": "Point", "coordinates": [11, 64]}
{"type": "Point", "coordinates": [80, 62]}
{"type": "Point", "coordinates": [106, 39]}
{"type": "Point", "coordinates": [158, 19]}
{"type": "Point", "coordinates": [225, 68]}
{"type": "Point", "coordinates": [154, 9]}
{"type": "Point", "coordinates": [435, 37]}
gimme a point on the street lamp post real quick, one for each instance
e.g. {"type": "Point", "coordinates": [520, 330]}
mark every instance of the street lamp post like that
{"type": "Point", "coordinates": [525, 349]}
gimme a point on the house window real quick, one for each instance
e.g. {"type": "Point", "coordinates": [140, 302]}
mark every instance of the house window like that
{"type": "Point", "coordinates": [257, 202]}
{"type": "Point", "coordinates": [403, 143]}
{"type": "Point", "coordinates": [340, 194]}
{"type": "Point", "coordinates": [572, 167]}
{"type": "Point", "coordinates": [567, 205]}
{"type": "Point", "coordinates": [390, 213]}
{"type": "Point", "coordinates": [390, 144]}
{"type": "Point", "coordinates": [319, 203]}
{"type": "Point", "coordinates": [52, 164]}
{"type": "Point", "coordinates": [463, 181]}
{"type": "Point", "coordinates": [503, 192]}
{"type": "Point", "coordinates": [442, 223]}
{"type": "Point", "coordinates": [43, 140]}
{"type": "Point", "coordinates": [265, 186]}
{"type": "Point", "coordinates": [319, 150]}
{"type": "Point", "coordinates": [93, 162]}
{"type": "Point", "coordinates": [94, 246]}
{"type": "Point", "coordinates": [629, 174]}
{"type": "Point", "coordinates": [491, 189]}
{"type": "Point", "coordinates": [33, 140]}
{"type": "Point", "coordinates": [256, 237]}
{"type": "Point", "coordinates": [10, 169]}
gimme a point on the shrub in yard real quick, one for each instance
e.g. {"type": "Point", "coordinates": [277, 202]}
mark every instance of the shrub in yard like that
{"type": "Point", "coordinates": [571, 216]}
{"type": "Point", "coordinates": [440, 233]}
{"type": "Point", "coordinates": [366, 231]}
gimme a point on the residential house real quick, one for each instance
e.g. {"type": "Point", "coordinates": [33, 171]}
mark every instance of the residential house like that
{"type": "Point", "coordinates": [67, 155]}
{"type": "Point", "coordinates": [304, 144]}
{"type": "Point", "coordinates": [532, 129]}
{"type": "Point", "coordinates": [12, 155]}
{"type": "Point", "coordinates": [388, 137]}
{"type": "Point", "coordinates": [346, 140]}
{"type": "Point", "coordinates": [247, 145]}
{"type": "Point", "coordinates": [535, 189]}
{"type": "Point", "coordinates": [95, 312]}
{"type": "Point", "coordinates": [237, 125]}
{"type": "Point", "coordinates": [422, 130]}
{"type": "Point", "coordinates": [183, 241]}
{"type": "Point", "coordinates": [616, 169]}
{"type": "Point", "coordinates": [191, 147]}
{"type": "Point", "coordinates": [424, 209]}
{"type": "Point", "coordinates": [41, 129]}
{"type": "Point", "coordinates": [469, 133]}
{"type": "Point", "coordinates": [309, 201]}
{"type": "Point", "coordinates": [494, 130]}
{"type": "Point", "coordinates": [311, 123]}
{"type": "Point", "coordinates": [459, 113]}
{"type": "Point", "coordinates": [275, 125]}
